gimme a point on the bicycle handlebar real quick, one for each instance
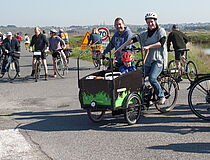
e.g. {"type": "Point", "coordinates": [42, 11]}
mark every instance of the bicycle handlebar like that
{"type": "Point", "coordinates": [184, 50]}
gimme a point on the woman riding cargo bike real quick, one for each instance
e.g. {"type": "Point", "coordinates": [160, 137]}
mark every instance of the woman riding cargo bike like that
{"type": "Point", "coordinates": [126, 93]}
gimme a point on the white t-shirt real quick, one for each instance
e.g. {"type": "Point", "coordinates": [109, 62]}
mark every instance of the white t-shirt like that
{"type": "Point", "coordinates": [26, 39]}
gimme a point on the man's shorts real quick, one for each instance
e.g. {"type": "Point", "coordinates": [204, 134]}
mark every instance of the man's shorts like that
{"type": "Point", "coordinates": [55, 54]}
{"type": "Point", "coordinates": [178, 55]}
{"type": "Point", "coordinates": [43, 55]}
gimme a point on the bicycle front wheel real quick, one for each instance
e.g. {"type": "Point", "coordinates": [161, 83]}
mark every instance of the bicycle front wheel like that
{"type": "Point", "coordinates": [199, 98]}
{"type": "Point", "coordinates": [60, 68]}
{"type": "Point", "coordinates": [37, 70]}
{"type": "Point", "coordinates": [170, 89]}
{"type": "Point", "coordinates": [12, 72]}
{"type": "Point", "coordinates": [191, 70]}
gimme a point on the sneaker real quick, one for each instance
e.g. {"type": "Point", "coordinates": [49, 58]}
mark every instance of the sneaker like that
{"type": "Point", "coordinates": [46, 77]}
{"type": "Point", "coordinates": [18, 74]}
{"type": "Point", "coordinates": [161, 100]}
{"type": "Point", "coordinates": [179, 79]}
{"type": "Point", "coordinates": [54, 75]}
{"type": "Point", "coordinates": [32, 73]}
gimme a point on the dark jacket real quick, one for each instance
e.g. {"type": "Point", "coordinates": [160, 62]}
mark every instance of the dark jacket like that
{"type": "Point", "coordinates": [39, 42]}
{"type": "Point", "coordinates": [178, 39]}
{"type": "Point", "coordinates": [12, 45]}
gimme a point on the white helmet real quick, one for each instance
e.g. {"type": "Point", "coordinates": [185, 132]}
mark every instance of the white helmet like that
{"type": "Point", "coordinates": [53, 31]}
{"type": "Point", "coordinates": [151, 15]}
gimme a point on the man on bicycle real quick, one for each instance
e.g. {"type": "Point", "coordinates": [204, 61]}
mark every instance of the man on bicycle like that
{"type": "Point", "coordinates": [40, 44]}
{"type": "Point", "coordinates": [179, 41]}
{"type": "Point", "coordinates": [56, 45]}
{"type": "Point", "coordinates": [10, 45]}
{"type": "Point", "coordinates": [121, 36]}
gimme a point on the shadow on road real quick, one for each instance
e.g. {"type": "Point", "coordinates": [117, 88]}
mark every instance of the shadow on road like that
{"type": "Point", "coordinates": [185, 147]}
{"type": "Point", "coordinates": [77, 120]}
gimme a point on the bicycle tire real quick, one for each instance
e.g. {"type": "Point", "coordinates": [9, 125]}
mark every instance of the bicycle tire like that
{"type": "Point", "coordinates": [133, 108]}
{"type": "Point", "coordinates": [61, 69]}
{"type": "Point", "coordinates": [94, 115]}
{"type": "Point", "coordinates": [12, 72]}
{"type": "Point", "coordinates": [170, 89]}
{"type": "Point", "coordinates": [191, 71]}
{"type": "Point", "coordinates": [37, 70]}
{"type": "Point", "coordinates": [199, 98]}
{"type": "Point", "coordinates": [173, 69]}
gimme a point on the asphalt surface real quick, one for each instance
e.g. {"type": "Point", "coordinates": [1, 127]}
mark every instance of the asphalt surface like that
{"type": "Point", "coordinates": [44, 120]}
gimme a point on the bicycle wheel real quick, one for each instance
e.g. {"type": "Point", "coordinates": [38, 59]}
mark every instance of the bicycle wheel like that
{"type": "Point", "coordinates": [199, 98]}
{"type": "Point", "coordinates": [61, 69]}
{"type": "Point", "coordinates": [1, 63]}
{"type": "Point", "coordinates": [12, 72]}
{"type": "Point", "coordinates": [191, 70]}
{"type": "Point", "coordinates": [173, 69]}
{"type": "Point", "coordinates": [94, 115]}
{"type": "Point", "coordinates": [133, 108]}
{"type": "Point", "coordinates": [37, 70]}
{"type": "Point", "coordinates": [170, 89]}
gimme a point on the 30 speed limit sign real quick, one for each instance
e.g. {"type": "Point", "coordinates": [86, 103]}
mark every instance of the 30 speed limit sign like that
{"type": "Point", "coordinates": [104, 33]}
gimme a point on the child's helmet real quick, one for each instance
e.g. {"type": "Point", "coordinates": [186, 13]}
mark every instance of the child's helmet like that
{"type": "Point", "coordinates": [127, 57]}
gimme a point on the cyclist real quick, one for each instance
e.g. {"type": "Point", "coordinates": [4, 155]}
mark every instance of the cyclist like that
{"type": "Point", "coordinates": [153, 42]}
{"type": "Point", "coordinates": [18, 37]}
{"type": "Point", "coordinates": [179, 41]}
{"type": "Point", "coordinates": [56, 44]}
{"type": "Point", "coordinates": [40, 43]}
{"type": "Point", "coordinates": [127, 59]}
{"type": "Point", "coordinates": [64, 35]}
{"type": "Point", "coordinates": [121, 36]}
{"type": "Point", "coordinates": [95, 40]}
{"type": "Point", "coordinates": [9, 46]}
{"type": "Point", "coordinates": [26, 41]}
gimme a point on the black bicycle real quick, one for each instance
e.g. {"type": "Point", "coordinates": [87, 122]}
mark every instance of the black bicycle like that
{"type": "Point", "coordinates": [11, 66]}
{"type": "Point", "coordinates": [199, 96]}
{"type": "Point", "coordinates": [37, 64]}
{"type": "Point", "coordinates": [188, 68]}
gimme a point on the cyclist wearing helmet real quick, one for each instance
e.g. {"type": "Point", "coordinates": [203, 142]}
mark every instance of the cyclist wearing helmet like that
{"type": "Point", "coordinates": [127, 59]}
{"type": "Point", "coordinates": [153, 42]}
{"type": "Point", "coordinates": [121, 36]}
{"type": "Point", "coordinates": [56, 45]}
{"type": "Point", "coordinates": [40, 43]}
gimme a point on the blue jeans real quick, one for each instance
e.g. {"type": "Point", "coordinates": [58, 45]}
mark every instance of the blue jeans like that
{"type": "Point", "coordinates": [153, 72]}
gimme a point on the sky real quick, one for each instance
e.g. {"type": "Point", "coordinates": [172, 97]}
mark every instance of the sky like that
{"type": "Point", "coordinates": [63, 13]}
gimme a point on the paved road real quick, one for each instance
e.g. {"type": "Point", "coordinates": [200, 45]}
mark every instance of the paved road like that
{"type": "Point", "coordinates": [43, 120]}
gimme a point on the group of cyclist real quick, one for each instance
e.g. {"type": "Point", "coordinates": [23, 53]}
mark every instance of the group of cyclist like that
{"type": "Point", "coordinates": [153, 42]}
{"type": "Point", "coordinates": [39, 42]}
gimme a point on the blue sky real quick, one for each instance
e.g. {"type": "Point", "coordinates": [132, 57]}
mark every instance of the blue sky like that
{"type": "Point", "coordinates": [88, 12]}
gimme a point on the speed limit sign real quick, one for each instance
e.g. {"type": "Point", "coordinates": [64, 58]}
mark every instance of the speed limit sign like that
{"type": "Point", "coordinates": [104, 33]}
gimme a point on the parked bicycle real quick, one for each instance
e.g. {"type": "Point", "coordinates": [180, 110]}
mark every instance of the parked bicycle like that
{"type": "Point", "coordinates": [188, 67]}
{"type": "Point", "coordinates": [199, 96]}
{"type": "Point", "coordinates": [11, 66]}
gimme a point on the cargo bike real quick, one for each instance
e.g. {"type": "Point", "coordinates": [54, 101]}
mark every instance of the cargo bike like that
{"type": "Point", "coordinates": [126, 94]}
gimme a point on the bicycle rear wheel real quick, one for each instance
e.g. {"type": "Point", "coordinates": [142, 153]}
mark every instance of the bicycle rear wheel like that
{"type": "Point", "coordinates": [12, 72]}
{"type": "Point", "coordinates": [170, 89]}
{"type": "Point", "coordinates": [37, 70]}
{"type": "Point", "coordinates": [191, 70]}
{"type": "Point", "coordinates": [199, 98]}
{"type": "Point", "coordinates": [61, 69]}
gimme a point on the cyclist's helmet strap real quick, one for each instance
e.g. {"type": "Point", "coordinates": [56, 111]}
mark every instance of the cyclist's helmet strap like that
{"type": "Point", "coordinates": [127, 57]}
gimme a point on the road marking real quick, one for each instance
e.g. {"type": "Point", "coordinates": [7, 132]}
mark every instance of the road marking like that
{"type": "Point", "coordinates": [14, 146]}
